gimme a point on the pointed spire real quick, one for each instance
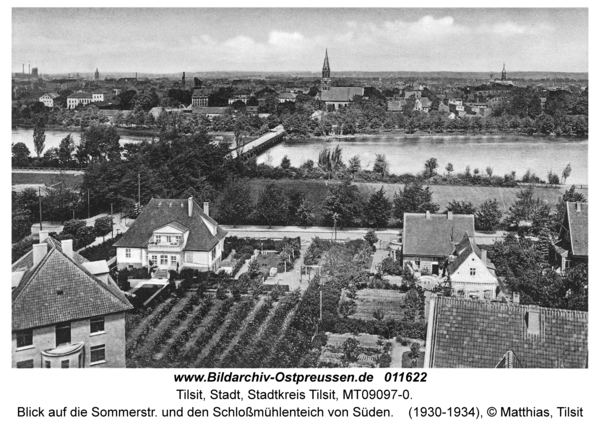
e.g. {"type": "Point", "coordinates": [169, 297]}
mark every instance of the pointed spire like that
{"type": "Point", "coordinates": [326, 62]}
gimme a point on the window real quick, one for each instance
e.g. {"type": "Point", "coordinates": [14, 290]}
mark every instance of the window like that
{"type": "Point", "coordinates": [97, 353]}
{"type": "Point", "coordinates": [96, 325]}
{"type": "Point", "coordinates": [47, 365]}
{"type": "Point", "coordinates": [164, 259]}
{"type": "Point", "coordinates": [24, 338]}
{"type": "Point", "coordinates": [174, 260]}
{"type": "Point", "coordinates": [64, 364]}
{"type": "Point", "coordinates": [128, 253]}
{"type": "Point", "coordinates": [214, 253]}
{"type": "Point", "coordinates": [472, 271]}
{"type": "Point", "coordinates": [27, 364]}
{"type": "Point", "coordinates": [177, 239]}
{"type": "Point", "coordinates": [169, 238]}
{"type": "Point", "coordinates": [63, 333]}
{"type": "Point", "coordinates": [154, 259]}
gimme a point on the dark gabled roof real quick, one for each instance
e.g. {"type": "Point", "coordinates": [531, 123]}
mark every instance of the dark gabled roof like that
{"type": "Point", "coordinates": [80, 95]}
{"type": "Point", "coordinates": [477, 334]}
{"type": "Point", "coordinates": [26, 262]}
{"type": "Point", "coordinates": [341, 93]}
{"type": "Point", "coordinates": [59, 289]}
{"type": "Point", "coordinates": [160, 212]}
{"type": "Point", "coordinates": [199, 93]}
{"type": "Point", "coordinates": [578, 226]}
{"type": "Point", "coordinates": [434, 236]}
{"type": "Point", "coordinates": [463, 250]}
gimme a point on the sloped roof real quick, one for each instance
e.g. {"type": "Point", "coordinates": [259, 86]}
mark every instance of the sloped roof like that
{"type": "Point", "coordinates": [396, 105]}
{"type": "Point", "coordinates": [160, 212]}
{"type": "Point", "coordinates": [209, 110]}
{"type": "Point", "coordinates": [59, 289]}
{"type": "Point", "coordinates": [434, 236]}
{"type": "Point", "coordinates": [80, 95]}
{"type": "Point", "coordinates": [26, 262]}
{"type": "Point", "coordinates": [578, 225]}
{"type": "Point", "coordinates": [198, 93]}
{"type": "Point", "coordinates": [463, 250]}
{"type": "Point", "coordinates": [477, 334]}
{"type": "Point", "coordinates": [341, 93]}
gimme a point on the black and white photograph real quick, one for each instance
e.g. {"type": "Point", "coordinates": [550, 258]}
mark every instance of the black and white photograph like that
{"type": "Point", "coordinates": [299, 188]}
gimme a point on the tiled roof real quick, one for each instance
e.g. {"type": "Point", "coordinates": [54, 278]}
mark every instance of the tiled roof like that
{"type": "Point", "coordinates": [434, 236]}
{"type": "Point", "coordinates": [160, 212]}
{"type": "Point", "coordinates": [396, 105]}
{"type": "Point", "coordinates": [341, 93]}
{"type": "Point", "coordinates": [463, 250]}
{"type": "Point", "coordinates": [80, 95]}
{"type": "Point", "coordinates": [198, 93]}
{"type": "Point", "coordinates": [59, 289]}
{"type": "Point", "coordinates": [26, 262]}
{"type": "Point", "coordinates": [578, 225]}
{"type": "Point", "coordinates": [478, 334]}
{"type": "Point", "coordinates": [209, 110]}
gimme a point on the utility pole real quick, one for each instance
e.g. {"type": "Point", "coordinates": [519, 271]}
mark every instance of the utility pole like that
{"type": "Point", "coordinates": [139, 191]}
{"type": "Point", "coordinates": [112, 222]}
{"type": "Point", "coordinates": [88, 203]}
{"type": "Point", "coordinates": [40, 200]}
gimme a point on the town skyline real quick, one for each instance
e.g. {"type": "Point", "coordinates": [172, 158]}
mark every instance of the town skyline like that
{"type": "Point", "coordinates": [255, 40]}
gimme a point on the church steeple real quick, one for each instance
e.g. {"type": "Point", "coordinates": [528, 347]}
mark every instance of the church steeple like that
{"type": "Point", "coordinates": [325, 80]}
{"type": "Point", "coordinates": [326, 70]}
{"type": "Point", "coordinates": [503, 72]}
{"type": "Point", "coordinates": [96, 75]}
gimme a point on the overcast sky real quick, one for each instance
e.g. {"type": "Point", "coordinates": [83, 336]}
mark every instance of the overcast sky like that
{"type": "Point", "coordinates": [173, 40]}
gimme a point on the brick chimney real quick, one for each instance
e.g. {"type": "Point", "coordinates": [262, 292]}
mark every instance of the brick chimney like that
{"type": "Point", "coordinates": [190, 206]}
{"type": "Point", "coordinates": [484, 256]}
{"type": "Point", "coordinates": [427, 215]}
{"type": "Point", "coordinates": [533, 320]}
{"type": "Point", "coordinates": [206, 209]}
{"type": "Point", "coordinates": [43, 235]}
{"type": "Point", "coordinates": [39, 252]}
{"type": "Point", "coordinates": [67, 247]}
{"type": "Point", "coordinates": [450, 216]}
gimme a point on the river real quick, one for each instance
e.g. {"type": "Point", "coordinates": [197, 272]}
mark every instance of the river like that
{"type": "Point", "coordinates": [408, 153]}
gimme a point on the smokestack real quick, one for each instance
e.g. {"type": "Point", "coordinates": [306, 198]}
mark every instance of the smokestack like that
{"type": "Point", "coordinates": [39, 252]}
{"type": "Point", "coordinates": [43, 235]}
{"type": "Point", "coordinates": [67, 247]}
{"type": "Point", "coordinates": [206, 209]}
{"type": "Point", "coordinates": [427, 215]}
{"type": "Point", "coordinates": [450, 217]}
{"type": "Point", "coordinates": [29, 68]}
{"type": "Point", "coordinates": [190, 206]}
{"type": "Point", "coordinates": [23, 68]}
{"type": "Point", "coordinates": [484, 256]}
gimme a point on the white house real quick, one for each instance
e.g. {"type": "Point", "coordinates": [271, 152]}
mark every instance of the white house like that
{"type": "Point", "coordinates": [172, 234]}
{"type": "Point", "coordinates": [78, 98]}
{"type": "Point", "coordinates": [48, 99]}
{"type": "Point", "coordinates": [470, 273]}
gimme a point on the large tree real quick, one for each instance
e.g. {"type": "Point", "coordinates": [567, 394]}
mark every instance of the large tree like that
{"type": "Point", "coordinates": [378, 209]}
{"type": "Point", "coordinates": [343, 203]}
{"type": "Point", "coordinates": [415, 198]}
{"type": "Point", "coordinates": [235, 204]}
{"type": "Point", "coordinates": [272, 205]}
{"type": "Point", "coordinates": [460, 207]}
{"type": "Point", "coordinates": [20, 154]}
{"type": "Point", "coordinates": [488, 215]}
{"type": "Point", "coordinates": [39, 137]}
{"type": "Point", "coordinates": [65, 150]}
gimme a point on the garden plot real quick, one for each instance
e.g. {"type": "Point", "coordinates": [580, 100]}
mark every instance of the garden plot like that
{"type": "Point", "coordinates": [391, 302]}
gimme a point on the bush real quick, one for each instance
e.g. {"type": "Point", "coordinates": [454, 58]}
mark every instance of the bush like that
{"type": "Point", "coordinates": [103, 251]}
{"type": "Point", "coordinates": [385, 360]}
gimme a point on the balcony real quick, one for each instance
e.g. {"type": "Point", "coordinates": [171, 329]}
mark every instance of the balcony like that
{"type": "Point", "coordinates": [165, 246]}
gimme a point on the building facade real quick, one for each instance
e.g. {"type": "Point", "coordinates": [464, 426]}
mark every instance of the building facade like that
{"type": "Point", "coordinates": [79, 98]}
{"type": "Point", "coordinates": [48, 99]}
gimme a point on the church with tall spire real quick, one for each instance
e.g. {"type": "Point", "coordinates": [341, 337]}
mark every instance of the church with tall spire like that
{"type": "Point", "coordinates": [326, 74]}
{"type": "Point", "coordinates": [96, 75]}
{"type": "Point", "coordinates": [503, 72]}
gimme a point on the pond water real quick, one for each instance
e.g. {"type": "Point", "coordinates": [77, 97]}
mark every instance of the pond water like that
{"type": "Point", "coordinates": [407, 154]}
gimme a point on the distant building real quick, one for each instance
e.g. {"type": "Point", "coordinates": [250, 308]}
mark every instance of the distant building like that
{"type": "Point", "coordinates": [79, 98]}
{"type": "Point", "coordinates": [210, 112]}
{"type": "Point", "coordinates": [339, 96]}
{"type": "Point", "coordinates": [199, 98]}
{"type": "Point", "coordinates": [326, 74]}
{"type": "Point", "coordinates": [96, 75]}
{"type": "Point", "coordinates": [67, 312]}
{"type": "Point", "coordinates": [101, 96]}
{"type": "Point", "coordinates": [172, 234]}
{"type": "Point", "coordinates": [571, 248]}
{"type": "Point", "coordinates": [286, 97]}
{"type": "Point", "coordinates": [48, 99]}
{"type": "Point", "coordinates": [464, 333]}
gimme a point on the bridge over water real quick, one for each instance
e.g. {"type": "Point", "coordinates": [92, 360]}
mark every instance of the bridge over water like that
{"type": "Point", "coordinates": [262, 143]}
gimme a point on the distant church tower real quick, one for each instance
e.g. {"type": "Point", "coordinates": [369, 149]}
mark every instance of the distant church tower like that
{"type": "Point", "coordinates": [96, 75]}
{"type": "Point", "coordinates": [183, 79]}
{"type": "Point", "coordinates": [503, 72]}
{"type": "Point", "coordinates": [325, 77]}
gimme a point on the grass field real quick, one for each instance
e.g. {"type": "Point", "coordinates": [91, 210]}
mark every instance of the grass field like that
{"type": "Point", "coordinates": [391, 302]}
